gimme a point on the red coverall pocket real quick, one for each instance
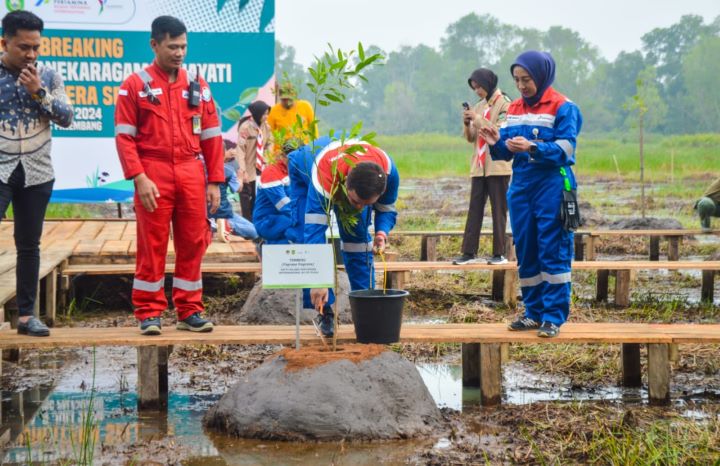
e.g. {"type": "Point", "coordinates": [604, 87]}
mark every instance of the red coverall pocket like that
{"type": "Point", "coordinates": [192, 139]}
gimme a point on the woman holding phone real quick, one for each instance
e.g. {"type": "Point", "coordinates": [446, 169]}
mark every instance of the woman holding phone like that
{"type": "Point", "coordinates": [490, 178]}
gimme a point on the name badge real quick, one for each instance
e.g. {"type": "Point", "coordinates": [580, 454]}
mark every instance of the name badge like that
{"type": "Point", "coordinates": [197, 125]}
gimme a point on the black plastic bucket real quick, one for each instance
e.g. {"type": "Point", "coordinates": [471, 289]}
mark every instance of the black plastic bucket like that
{"type": "Point", "coordinates": [377, 316]}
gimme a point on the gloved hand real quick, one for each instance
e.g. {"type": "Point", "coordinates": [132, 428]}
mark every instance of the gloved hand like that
{"type": "Point", "coordinates": [379, 242]}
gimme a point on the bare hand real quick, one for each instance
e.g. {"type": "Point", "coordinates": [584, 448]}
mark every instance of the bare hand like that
{"type": "Point", "coordinates": [318, 298]}
{"type": "Point", "coordinates": [241, 181]}
{"type": "Point", "coordinates": [469, 116]}
{"type": "Point", "coordinates": [213, 196]}
{"type": "Point", "coordinates": [490, 134]}
{"type": "Point", "coordinates": [245, 177]}
{"type": "Point", "coordinates": [518, 144]}
{"type": "Point", "coordinates": [30, 78]}
{"type": "Point", "coordinates": [379, 244]}
{"type": "Point", "coordinates": [147, 191]}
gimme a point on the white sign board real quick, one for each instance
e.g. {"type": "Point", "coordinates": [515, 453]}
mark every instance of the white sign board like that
{"type": "Point", "coordinates": [298, 266]}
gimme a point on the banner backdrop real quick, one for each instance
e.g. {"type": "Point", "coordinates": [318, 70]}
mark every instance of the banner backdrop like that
{"type": "Point", "coordinates": [95, 44]}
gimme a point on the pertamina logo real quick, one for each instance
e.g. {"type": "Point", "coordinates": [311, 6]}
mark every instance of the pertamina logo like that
{"type": "Point", "coordinates": [14, 5]}
{"type": "Point", "coordinates": [102, 5]}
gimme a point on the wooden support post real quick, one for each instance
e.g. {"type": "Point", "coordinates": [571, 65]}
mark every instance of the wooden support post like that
{"type": "Point", "coordinates": [674, 248]}
{"type": "Point", "coordinates": [579, 247]}
{"type": "Point", "coordinates": [602, 285]}
{"type": "Point", "coordinates": [64, 287]}
{"type": "Point", "coordinates": [590, 253]}
{"type": "Point", "coordinates": [504, 352]}
{"type": "Point", "coordinates": [622, 288]}
{"type": "Point", "coordinates": [152, 382]}
{"type": "Point", "coordinates": [51, 298]}
{"type": "Point", "coordinates": [498, 285]}
{"type": "Point", "coordinates": [428, 248]}
{"type": "Point", "coordinates": [509, 247]}
{"type": "Point", "coordinates": [36, 306]}
{"type": "Point", "coordinates": [708, 286]}
{"type": "Point", "coordinates": [631, 375]}
{"type": "Point", "coordinates": [673, 353]}
{"type": "Point", "coordinates": [654, 248]}
{"type": "Point", "coordinates": [490, 374]}
{"type": "Point", "coordinates": [470, 364]}
{"type": "Point", "coordinates": [658, 373]}
{"type": "Point", "coordinates": [510, 288]}
{"type": "Point", "coordinates": [397, 280]}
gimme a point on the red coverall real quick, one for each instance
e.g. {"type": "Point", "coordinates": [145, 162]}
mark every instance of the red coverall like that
{"type": "Point", "coordinates": [164, 141]}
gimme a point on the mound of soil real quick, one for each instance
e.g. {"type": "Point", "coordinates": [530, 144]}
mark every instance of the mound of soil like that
{"type": "Point", "coordinates": [277, 307]}
{"type": "Point", "coordinates": [363, 392]}
{"type": "Point", "coordinates": [647, 223]}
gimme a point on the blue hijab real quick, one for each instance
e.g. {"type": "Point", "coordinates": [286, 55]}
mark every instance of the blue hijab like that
{"type": "Point", "coordinates": [541, 68]}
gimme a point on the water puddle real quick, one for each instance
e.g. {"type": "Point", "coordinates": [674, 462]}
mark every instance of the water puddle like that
{"type": "Point", "coordinates": [43, 424]}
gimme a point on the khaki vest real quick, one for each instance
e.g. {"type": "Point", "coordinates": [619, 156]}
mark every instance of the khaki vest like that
{"type": "Point", "coordinates": [498, 104]}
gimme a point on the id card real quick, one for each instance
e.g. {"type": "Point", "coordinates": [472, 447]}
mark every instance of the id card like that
{"type": "Point", "coordinates": [197, 125]}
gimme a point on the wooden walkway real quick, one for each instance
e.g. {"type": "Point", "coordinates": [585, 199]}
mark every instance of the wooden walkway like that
{"type": "Point", "coordinates": [482, 348]}
{"type": "Point", "coordinates": [112, 241]}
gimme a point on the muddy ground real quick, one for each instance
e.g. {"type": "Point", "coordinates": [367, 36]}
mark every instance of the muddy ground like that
{"type": "Point", "coordinates": [544, 432]}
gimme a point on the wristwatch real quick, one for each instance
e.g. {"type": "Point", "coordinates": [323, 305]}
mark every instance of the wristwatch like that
{"type": "Point", "coordinates": [533, 149]}
{"type": "Point", "coordinates": [39, 95]}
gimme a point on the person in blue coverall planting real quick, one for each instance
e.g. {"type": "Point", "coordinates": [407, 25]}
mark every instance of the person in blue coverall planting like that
{"type": "Point", "coordinates": [363, 182]}
{"type": "Point", "coordinates": [272, 213]}
{"type": "Point", "coordinates": [540, 136]}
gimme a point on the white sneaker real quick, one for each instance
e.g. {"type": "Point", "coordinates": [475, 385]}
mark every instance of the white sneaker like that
{"type": "Point", "coordinates": [497, 260]}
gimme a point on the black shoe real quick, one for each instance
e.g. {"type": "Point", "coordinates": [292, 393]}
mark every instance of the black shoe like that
{"type": "Point", "coordinates": [195, 323]}
{"type": "Point", "coordinates": [465, 259]}
{"type": "Point", "coordinates": [548, 330]}
{"type": "Point", "coordinates": [524, 323]}
{"type": "Point", "coordinates": [325, 323]}
{"type": "Point", "coordinates": [33, 328]}
{"type": "Point", "coordinates": [151, 326]}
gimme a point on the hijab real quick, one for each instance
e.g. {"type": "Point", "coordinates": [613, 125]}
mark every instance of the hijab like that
{"type": "Point", "coordinates": [485, 79]}
{"type": "Point", "coordinates": [541, 68]}
{"type": "Point", "coordinates": [257, 109]}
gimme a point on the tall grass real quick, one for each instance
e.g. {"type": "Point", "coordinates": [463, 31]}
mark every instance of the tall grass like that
{"type": "Point", "coordinates": [666, 157]}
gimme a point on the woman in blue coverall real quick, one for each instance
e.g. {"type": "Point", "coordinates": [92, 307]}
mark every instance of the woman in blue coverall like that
{"type": "Point", "coordinates": [540, 136]}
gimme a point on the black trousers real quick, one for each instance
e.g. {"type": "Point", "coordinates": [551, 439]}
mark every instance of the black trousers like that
{"type": "Point", "coordinates": [247, 200]}
{"type": "Point", "coordinates": [29, 205]}
{"type": "Point", "coordinates": [494, 187]}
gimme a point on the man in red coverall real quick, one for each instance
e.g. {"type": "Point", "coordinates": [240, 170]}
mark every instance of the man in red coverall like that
{"type": "Point", "coordinates": [164, 119]}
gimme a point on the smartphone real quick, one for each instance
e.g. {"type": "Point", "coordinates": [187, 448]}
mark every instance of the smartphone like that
{"type": "Point", "coordinates": [466, 105]}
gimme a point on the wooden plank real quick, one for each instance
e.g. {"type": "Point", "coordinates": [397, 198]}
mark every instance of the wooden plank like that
{"type": "Point", "coordinates": [590, 247]}
{"type": "Point", "coordinates": [88, 230]}
{"type": "Point", "coordinates": [115, 247]}
{"type": "Point", "coordinates": [579, 247]}
{"type": "Point", "coordinates": [470, 364]}
{"type": "Point", "coordinates": [112, 231]}
{"type": "Point", "coordinates": [658, 374]}
{"type": "Point", "coordinates": [7, 262]}
{"type": "Point", "coordinates": [510, 288]}
{"type": "Point", "coordinates": [132, 249]}
{"type": "Point", "coordinates": [242, 247]}
{"type": "Point", "coordinates": [490, 374]}
{"type": "Point", "coordinates": [631, 373]}
{"type": "Point", "coordinates": [708, 286]}
{"type": "Point", "coordinates": [219, 249]}
{"type": "Point", "coordinates": [679, 233]}
{"type": "Point", "coordinates": [89, 247]}
{"type": "Point", "coordinates": [498, 285]}
{"type": "Point", "coordinates": [65, 230]}
{"type": "Point", "coordinates": [130, 231]}
{"type": "Point", "coordinates": [440, 333]}
{"type": "Point", "coordinates": [152, 384]}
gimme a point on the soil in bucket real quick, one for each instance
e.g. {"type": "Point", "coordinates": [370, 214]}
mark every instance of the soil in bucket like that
{"type": "Point", "coordinates": [377, 315]}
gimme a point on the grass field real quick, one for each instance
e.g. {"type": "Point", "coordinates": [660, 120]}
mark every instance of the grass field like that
{"type": "Point", "coordinates": [666, 157]}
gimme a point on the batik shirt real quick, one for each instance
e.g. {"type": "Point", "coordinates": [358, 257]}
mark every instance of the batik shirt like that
{"type": "Point", "coordinates": [25, 132]}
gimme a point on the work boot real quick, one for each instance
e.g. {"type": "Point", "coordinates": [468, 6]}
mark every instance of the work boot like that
{"type": "Point", "coordinates": [151, 326]}
{"type": "Point", "coordinates": [548, 330]}
{"type": "Point", "coordinates": [465, 259]}
{"type": "Point", "coordinates": [524, 323]}
{"type": "Point", "coordinates": [33, 328]}
{"type": "Point", "coordinates": [195, 323]}
{"type": "Point", "coordinates": [324, 322]}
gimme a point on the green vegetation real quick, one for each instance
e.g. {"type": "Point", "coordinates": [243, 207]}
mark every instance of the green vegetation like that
{"type": "Point", "coordinates": [613, 156]}
{"type": "Point", "coordinates": [62, 211]}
